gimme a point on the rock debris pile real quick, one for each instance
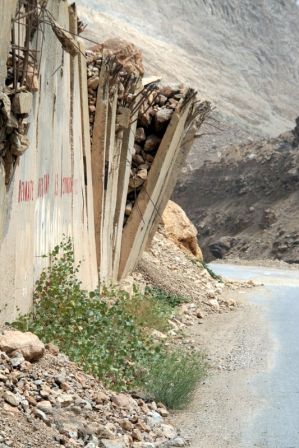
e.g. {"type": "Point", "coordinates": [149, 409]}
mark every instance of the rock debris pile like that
{"type": "Point", "coordinates": [173, 270]}
{"type": "Point", "coordinates": [153, 119]}
{"type": "Point", "coordinates": [76, 409]}
{"type": "Point", "coordinates": [145, 108]}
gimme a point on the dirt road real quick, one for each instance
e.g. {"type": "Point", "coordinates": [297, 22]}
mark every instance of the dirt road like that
{"type": "Point", "coordinates": [250, 398]}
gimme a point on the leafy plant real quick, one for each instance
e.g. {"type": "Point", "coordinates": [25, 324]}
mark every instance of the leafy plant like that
{"type": "Point", "coordinates": [105, 332]}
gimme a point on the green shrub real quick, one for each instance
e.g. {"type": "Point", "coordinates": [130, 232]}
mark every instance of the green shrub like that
{"type": "Point", "coordinates": [104, 332]}
{"type": "Point", "coordinates": [163, 297]}
{"type": "Point", "coordinates": [172, 379]}
{"type": "Point", "coordinates": [212, 273]}
{"type": "Point", "coordinates": [102, 337]}
{"type": "Point", "coordinates": [148, 312]}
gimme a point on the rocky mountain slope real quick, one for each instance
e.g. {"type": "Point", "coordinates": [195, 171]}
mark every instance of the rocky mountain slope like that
{"type": "Point", "coordinates": [247, 204]}
{"type": "Point", "coordinates": [243, 56]}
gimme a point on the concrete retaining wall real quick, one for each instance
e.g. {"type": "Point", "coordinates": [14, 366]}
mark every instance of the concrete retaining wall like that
{"type": "Point", "coordinates": [48, 196]}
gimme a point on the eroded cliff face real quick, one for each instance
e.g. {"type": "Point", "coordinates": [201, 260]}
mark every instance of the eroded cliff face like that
{"type": "Point", "coordinates": [246, 204]}
{"type": "Point", "coordinates": [244, 56]}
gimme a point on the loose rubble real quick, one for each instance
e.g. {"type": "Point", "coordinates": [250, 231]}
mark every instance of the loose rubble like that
{"type": "Point", "coordinates": [173, 270]}
{"type": "Point", "coordinates": [150, 106]}
{"type": "Point", "coordinates": [73, 407]}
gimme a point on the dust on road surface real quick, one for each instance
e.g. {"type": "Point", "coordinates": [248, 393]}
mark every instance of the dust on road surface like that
{"type": "Point", "coordinates": [251, 396]}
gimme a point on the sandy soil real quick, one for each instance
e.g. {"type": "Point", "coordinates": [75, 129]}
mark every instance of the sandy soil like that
{"type": "Point", "coordinates": [238, 347]}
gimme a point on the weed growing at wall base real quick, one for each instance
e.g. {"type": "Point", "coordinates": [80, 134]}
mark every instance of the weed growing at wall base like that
{"type": "Point", "coordinates": [108, 334]}
{"type": "Point", "coordinates": [173, 378]}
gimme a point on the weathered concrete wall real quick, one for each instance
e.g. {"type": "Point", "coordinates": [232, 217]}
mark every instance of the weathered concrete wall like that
{"type": "Point", "coordinates": [48, 196]}
{"type": "Point", "coordinates": [7, 11]}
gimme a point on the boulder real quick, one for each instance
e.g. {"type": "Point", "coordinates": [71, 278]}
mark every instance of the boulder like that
{"type": "Point", "coordinates": [126, 54]}
{"type": "Point", "coordinates": [180, 229]}
{"type": "Point", "coordinates": [28, 344]}
{"type": "Point", "coordinates": [220, 248]}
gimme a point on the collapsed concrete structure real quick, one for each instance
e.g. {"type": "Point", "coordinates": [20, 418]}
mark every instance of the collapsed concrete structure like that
{"type": "Point", "coordinates": [88, 148]}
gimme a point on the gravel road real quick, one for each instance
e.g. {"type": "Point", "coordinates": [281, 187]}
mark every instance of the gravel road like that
{"type": "Point", "coordinates": [250, 398]}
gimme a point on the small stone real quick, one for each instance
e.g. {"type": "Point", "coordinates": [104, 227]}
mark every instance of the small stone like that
{"type": "Point", "coordinates": [153, 405]}
{"type": "Point", "coordinates": [112, 443]}
{"type": "Point", "coordinates": [173, 103]}
{"type": "Point", "coordinates": [144, 118]}
{"type": "Point", "coordinates": [135, 182]}
{"type": "Point", "coordinates": [105, 432]}
{"type": "Point", "coordinates": [22, 103]}
{"type": "Point", "coordinates": [214, 304]}
{"type": "Point", "coordinates": [137, 149]}
{"type": "Point", "coordinates": [169, 91]}
{"type": "Point", "coordinates": [60, 379]}
{"type": "Point", "coordinates": [163, 412]}
{"type": "Point", "coordinates": [101, 397]}
{"type": "Point", "coordinates": [158, 335]}
{"type": "Point", "coordinates": [65, 400]}
{"type": "Point", "coordinates": [93, 83]}
{"type": "Point", "coordinates": [45, 392]}
{"type": "Point", "coordinates": [91, 445]}
{"type": "Point", "coordinates": [142, 426]}
{"type": "Point", "coordinates": [126, 425]}
{"type": "Point", "coordinates": [177, 442]}
{"type": "Point", "coordinates": [168, 431]}
{"type": "Point", "coordinates": [68, 428]}
{"type": "Point", "coordinates": [140, 135]}
{"type": "Point", "coordinates": [152, 143]}
{"type": "Point", "coordinates": [162, 100]}
{"type": "Point", "coordinates": [128, 209]}
{"type": "Point", "coordinates": [11, 398]}
{"type": "Point", "coordinates": [25, 405]}
{"type": "Point", "coordinates": [17, 360]}
{"type": "Point", "coordinates": [53, 349]}
{"type": "Point", "coordinates": [32, 400]}
{"type": "Point", "coordinates": [149, 158]}
{"type": "Point", "coordinates": [40, 414]}
{"type": "Point", "coordinates": [138, 159]}
{"type": "Point", "coordinates": [142, 174]}
{"type": "Point", "coordinates": [199, 314]}
{"type": "Point", "coordinates": [45, 406]}
{"type": "Point", "coordinates": [162, 119]}
{"type": "Point", "coordinates": [153, 418]}
{"type": "Point", "coordinates": [124, 401]}
{"type": "Point", "coordinates": [136, 434]}
{"type": "Point", "coordinates": [13, 410]}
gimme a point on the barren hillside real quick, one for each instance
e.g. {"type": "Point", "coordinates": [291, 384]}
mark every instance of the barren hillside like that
{"type": "Point", "coordinates": [246, 204]}
{"type": "Point", "coordinates": [244, 56]}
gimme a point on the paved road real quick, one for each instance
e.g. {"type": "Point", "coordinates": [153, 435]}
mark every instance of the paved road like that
{"type": "Point", "coordinates": [276, 423]}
